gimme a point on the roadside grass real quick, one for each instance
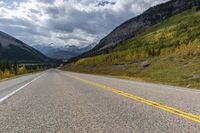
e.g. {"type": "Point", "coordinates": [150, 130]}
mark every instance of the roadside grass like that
{"type": "Point", "coordinates": [169, 70]}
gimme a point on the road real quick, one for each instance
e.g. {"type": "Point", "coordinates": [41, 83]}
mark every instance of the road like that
{"type": "Point", "coordinates": [66, 102]}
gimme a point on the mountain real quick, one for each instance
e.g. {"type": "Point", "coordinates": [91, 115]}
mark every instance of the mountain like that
{"type": "Point", "coordinates": [166, 52]}
{"type": "Point", "coordinates": [63, 53]}
{"type": "Point", "coordinates": [12, 49]}
{"type": "Point", "coordinates": [136, 25]}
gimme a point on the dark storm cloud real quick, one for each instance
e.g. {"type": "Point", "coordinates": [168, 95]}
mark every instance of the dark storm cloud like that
{"type": "Point", "coordinates": [35, 11]}
{"type": "Point", "coordinates": [15, 21]}
{"type": "Point", "coordinates": [55, 12]}
{"type": "Point", "coordinates": [47, 1]}
{"type": "Point", "coordinates": [20, 27]}
{"type": "Point", "coordinates": [72, 37]}
{"type": "Point", "coordinates": [90, 22]}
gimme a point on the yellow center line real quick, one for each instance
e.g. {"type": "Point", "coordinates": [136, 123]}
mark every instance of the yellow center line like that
{"type": "Point", "coordinates": [169, 109]}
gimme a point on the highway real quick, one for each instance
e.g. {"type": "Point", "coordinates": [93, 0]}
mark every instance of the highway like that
{"type": "Point", "coordinates": [58, 101]}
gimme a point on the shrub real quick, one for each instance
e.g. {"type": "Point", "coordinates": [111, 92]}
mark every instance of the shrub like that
{"type": "Point", "coordinates": [6, 74]}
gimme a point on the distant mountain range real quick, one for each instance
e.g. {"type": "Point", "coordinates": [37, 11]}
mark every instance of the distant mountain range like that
{"type": "Point", "coordinates": [12, 49]}
{"type": "Point", "coordinates": [65, 52]}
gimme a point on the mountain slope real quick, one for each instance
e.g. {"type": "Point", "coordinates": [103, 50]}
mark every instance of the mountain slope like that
{"type": "Point", "coordinates": [12, 49]}
{"type": "Point", "coordinates": [135, 26]}
{"type": "Point", "coordinates": [167, 52]}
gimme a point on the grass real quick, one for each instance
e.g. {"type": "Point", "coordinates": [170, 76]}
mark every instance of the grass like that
{"type": "Point", "coordinates": [169, 70]}
{"type": "Point", "coordinates": [168, 53]}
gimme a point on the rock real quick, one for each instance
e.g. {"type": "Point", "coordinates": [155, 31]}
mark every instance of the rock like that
{"type": "Point", "coordinates": [144, 65]}
{"type": "Point", "coordinates": [188, 86]}
{"type": "Point", "coordinates": [196, 76]}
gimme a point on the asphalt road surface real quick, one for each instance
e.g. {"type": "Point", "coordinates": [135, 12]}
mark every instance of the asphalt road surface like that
{"type": "Point", "coordinates": [66, 102]}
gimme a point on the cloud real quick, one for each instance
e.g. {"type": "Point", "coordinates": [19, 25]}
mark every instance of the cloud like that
{"type": "Point", "coordinates": [105, 3]}
{"type": "Point", "coordinates": [47, 1]}
{"type": "Point", "coordinates": [73, 22]}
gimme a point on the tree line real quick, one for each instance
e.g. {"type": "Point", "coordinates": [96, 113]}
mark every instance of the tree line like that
{"type": "Point", "coordinates": [9, 69]}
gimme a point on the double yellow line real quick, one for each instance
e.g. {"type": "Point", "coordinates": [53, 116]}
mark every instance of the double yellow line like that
{"type": "Point", "coordinates": [169, 109]}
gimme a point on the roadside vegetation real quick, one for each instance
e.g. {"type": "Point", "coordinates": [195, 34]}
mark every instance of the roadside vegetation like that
{"type": "Point", "coordinates": [168, 53]}
{"type": "Point", "coordinates": [9, 69]}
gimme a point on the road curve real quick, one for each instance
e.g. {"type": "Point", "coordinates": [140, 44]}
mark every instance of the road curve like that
{"type": "Point", "coordinates": [66, 102]}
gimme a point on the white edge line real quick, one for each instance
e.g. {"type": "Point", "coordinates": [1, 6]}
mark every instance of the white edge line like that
{"type": "Point", "coordinates": [15, 91]}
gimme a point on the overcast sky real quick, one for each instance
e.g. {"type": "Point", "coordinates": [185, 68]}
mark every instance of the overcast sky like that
{"type": "Point", "coordinates": [66, 22]}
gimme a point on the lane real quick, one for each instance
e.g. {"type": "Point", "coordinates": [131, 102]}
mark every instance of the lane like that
{"type": "Point", "coordinates": [177, 97]}
{"type": "Point", "coordinates": [59, 103]}
{"type": "Point", "coordinates": [9, 87]}
{"type": "Point", "coordinates": [157, 105]}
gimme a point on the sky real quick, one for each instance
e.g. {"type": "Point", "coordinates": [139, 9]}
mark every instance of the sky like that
{"type": "Point", "coordinates": [66, 22]}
